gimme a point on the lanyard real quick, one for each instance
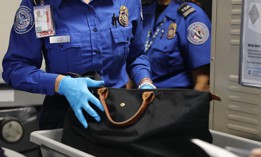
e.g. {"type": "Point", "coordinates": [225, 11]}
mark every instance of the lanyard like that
{"type": "Point", "coordinates": [41, 2]}
{"type": "Point", "coordinates": [150, 42]}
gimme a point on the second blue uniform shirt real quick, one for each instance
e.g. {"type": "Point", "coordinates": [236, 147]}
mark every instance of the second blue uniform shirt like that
{"type": "Point", "coordinates": [181, 39]}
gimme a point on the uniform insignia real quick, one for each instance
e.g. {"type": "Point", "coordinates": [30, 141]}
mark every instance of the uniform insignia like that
{"type": "Point", "coordinates": [124, 16]}
{"type": "Point", "coordinates": [186, 9]}
{"type": "Point", "coordinates": [172, 30]}
{"type": "Point", "coordinates": [198, 33]}
{"type": "Point", "coordinates": [23, 20]}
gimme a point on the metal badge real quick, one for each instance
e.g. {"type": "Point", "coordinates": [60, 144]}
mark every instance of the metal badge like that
{"type": "Point", "coordinates": [123, 18]}
{"type": "Point", "coordinates": [172, 30]}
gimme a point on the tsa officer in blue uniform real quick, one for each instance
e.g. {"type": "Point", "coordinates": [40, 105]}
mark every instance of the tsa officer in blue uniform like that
{"type": "Point", "coordinates": [87, 37]}
{"type": "Point", "coordinates": [177, 35]}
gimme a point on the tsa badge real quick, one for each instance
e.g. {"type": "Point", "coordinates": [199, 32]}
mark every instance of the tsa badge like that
{"type": "Point", "coordinates": [198, 33]}
{"type": "Point", "coordinates": [23, 20]}
{"type": "Point", "coordinates": [172, 30]}
{"type": "Point", "coordinates": [123, 18]}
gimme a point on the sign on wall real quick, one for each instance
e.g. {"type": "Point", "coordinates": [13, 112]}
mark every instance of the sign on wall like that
{"type": "Point", "coordinates": [250, 44]}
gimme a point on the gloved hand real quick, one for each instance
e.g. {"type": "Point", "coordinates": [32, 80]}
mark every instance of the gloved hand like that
{"type": "Point", "coordinates": [76, 92]}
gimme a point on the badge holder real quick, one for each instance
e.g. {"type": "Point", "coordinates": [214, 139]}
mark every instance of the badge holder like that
{"type": "Point", "coordinates": [44, 26]}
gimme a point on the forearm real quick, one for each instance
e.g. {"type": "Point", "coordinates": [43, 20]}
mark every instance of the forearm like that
{"type": "Point", "coordinates": [30, 79]}
{"type": "Point", "coordinates": [201, 78]}
{"type": "Point", "coordinates": [202, 83]}
{"type": "Point", "coordinates": [138, 69]}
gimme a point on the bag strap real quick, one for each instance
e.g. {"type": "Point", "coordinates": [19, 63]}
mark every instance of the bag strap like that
{"type": "Point", "coordinates": [147, 98]}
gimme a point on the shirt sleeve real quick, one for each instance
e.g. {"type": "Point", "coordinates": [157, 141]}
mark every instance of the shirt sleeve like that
{"type": "Point", "coordinates": [23, 59]}
{"type": "Point", "coordinates": [138, 65]}
{"type": "Point", "coordinates": [198, 34]}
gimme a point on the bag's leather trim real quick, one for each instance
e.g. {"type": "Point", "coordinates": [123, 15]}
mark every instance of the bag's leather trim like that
{"type": "Point", "coordinates": [147, 98]}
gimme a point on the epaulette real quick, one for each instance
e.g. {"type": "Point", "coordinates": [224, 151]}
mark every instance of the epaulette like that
{"type": "Point", "coordinates": [185, 9]}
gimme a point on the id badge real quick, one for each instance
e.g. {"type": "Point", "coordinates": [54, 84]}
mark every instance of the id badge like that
{"type": "Point", "coordinates": [44, 26]}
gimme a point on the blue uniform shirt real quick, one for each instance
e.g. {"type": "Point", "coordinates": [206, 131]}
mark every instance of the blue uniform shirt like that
{"type": "Point", "coordinates": [181, 45]}
{"type": "Point", "coordinates": [97, 43]}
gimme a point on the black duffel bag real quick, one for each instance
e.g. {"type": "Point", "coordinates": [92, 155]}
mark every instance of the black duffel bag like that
{"type": "Point", "coordinates": [143, 123]}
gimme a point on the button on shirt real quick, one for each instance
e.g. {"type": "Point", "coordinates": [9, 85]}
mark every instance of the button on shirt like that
{"type": "Point", "coordinates": [173, 57]}
{"type": "Point", "coordinates": [95, 44]}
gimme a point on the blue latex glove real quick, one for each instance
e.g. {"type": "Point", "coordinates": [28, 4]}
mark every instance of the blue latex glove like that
{"type": "Point", "coordinates": [147, 86]}
{"type": "Point", "coordinates": [76, 92]}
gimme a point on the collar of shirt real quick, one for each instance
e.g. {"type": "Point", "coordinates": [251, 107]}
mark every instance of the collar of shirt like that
{"type": "Point", "coordinates": [149, 9]}
{"type": "Point", "coordinates": [169, 10]}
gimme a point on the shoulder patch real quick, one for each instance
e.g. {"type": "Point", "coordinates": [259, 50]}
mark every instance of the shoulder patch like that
{"type": "Point", "coordinates": [23, 20]}
{"type": "Point", "coordinates": [198, 33]}
{"type": "Point", "coordinates": [185, 9]}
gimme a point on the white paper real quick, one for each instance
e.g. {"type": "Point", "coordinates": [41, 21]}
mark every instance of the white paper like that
{"type": "Point", "coordinates": [212, 150]}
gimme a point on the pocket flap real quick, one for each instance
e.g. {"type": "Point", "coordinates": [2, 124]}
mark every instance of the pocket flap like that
{"type": "Point", "coordinates": [122, 34]}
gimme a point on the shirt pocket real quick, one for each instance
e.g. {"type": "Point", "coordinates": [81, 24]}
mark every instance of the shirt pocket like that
{"type": "Point", "coordinates": [166, 56]}
{"type": "Point", "coordinates": [64, 56]}
{"type": "Point", "coordinates": [121, 42]}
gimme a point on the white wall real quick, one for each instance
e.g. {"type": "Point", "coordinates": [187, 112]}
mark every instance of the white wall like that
{"type": "Point", "coordinates": [7, 13]}
{"type": "Point", "coordinates": [8, 9]}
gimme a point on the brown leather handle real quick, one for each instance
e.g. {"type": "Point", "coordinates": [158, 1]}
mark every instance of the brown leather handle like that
{"type": "Point", "coordinates": [215, 97]}
{"type": "Point", "coordinates": [147, 98]}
